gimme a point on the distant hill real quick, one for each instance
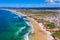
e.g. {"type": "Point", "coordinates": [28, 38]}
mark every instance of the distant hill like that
{"type": "Point", "coordinates": [33, 8]}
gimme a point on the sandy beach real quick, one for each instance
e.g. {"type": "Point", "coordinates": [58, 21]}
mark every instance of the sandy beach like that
{"type": "Point", "coordinates": [39, 34]}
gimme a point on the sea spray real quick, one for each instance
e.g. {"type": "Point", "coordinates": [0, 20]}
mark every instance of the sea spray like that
{"type": "Point", "coordinates": [26, 36]}
{"type": "Point", "coordinates": [32, 29]}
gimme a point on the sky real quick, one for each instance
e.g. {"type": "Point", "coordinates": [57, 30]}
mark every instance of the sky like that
{"type": "Point", "coordinates": [29, 3]}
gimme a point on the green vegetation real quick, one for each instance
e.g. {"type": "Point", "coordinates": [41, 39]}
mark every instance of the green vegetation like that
{"type": "Point", "coordinates": [44, 13]}
{"type": "Point", "coordinates": [57, 34]}
{"type": "Point", "coordinates": [51, 25]}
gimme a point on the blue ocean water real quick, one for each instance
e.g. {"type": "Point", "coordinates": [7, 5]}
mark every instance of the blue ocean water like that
{"type": "Point", "coordinates": [11, 23]}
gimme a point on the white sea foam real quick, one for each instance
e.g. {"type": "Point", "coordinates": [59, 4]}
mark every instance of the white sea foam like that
{"type": "Point", "coordinates": [26, 36]}
{"type": "Point", "coordinates": [20, 30]}
{"type": "Point", "coordinates": [28, 23]}
{"type": "Point", "coordinates": [17, 13]}
{"type": "Point", "coordinates": [32, 30]}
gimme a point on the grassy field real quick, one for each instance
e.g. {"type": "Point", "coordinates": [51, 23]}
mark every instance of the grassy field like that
{"type": "Point", "coordinates": [57, 34]}
{"type": "Point", "coordinates": [50, 25]}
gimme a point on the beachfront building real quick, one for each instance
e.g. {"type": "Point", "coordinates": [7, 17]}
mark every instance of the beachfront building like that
{"type": "Point", "coordinates": [53, 19]}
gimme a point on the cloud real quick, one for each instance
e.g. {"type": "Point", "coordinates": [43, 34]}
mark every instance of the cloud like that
{"type": "Point", "coordinates": [49, 1]}
{"type": "Point", "coordinates": [53, 1]}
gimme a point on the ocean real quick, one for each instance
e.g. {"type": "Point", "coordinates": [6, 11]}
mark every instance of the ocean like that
{"type": "Point", "coordinates": [12, 27]}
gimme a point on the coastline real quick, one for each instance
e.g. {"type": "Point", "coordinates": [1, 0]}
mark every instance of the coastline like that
{"type": "Point", "coordinates": [26, 36]}
{"type": "Point", "coordinates": [18, 13]}
{"type": "Point", "coordinates": [38, 34]}
{"type": "Point", "coordinates": [47, 34]}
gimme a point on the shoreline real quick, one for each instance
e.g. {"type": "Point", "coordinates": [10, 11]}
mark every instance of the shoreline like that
{"type": "Point", "coordinates": [38, 34]}
{"type": "Point", "coordinates": [18, 13]}
{"type": "Point", "coordinates": [41, 27]}
{"type": "Point", "coordinates": [49, 37]}
{"type": "Point", "coordinates": [26, 37]}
